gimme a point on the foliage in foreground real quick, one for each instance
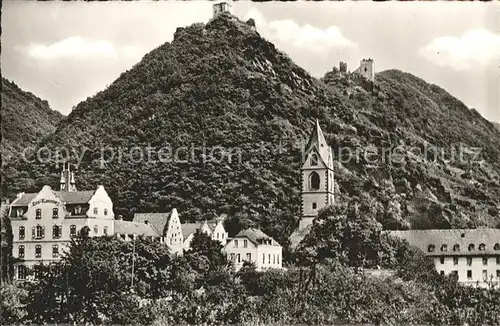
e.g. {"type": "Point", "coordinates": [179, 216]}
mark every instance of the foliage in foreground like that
{"type": "Point", "coordinates": [92, 284]}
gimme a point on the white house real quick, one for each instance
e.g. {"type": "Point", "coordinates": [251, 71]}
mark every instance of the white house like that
{"type": "Point", "coordinates": [255, 246]}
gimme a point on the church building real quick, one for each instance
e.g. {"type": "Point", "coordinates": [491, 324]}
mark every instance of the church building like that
{"type": "Point", "coordinates": [317, 181]}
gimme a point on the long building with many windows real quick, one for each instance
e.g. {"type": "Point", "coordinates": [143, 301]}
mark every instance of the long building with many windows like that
{"type": "Point", "coordinates": [472, 254]}
{"type": "Point", "coordinates": [44, 222]}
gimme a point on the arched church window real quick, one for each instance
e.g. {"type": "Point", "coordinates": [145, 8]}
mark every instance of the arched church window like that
{"type": "Point", "coordinates": [314, 160]}
{"type": "Point", "coordinates": [314, 181]}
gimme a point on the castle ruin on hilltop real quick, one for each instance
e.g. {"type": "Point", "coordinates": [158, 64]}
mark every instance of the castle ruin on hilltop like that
{"type": "Point", "coordinates": [366, 69]}
{"type": "Point", "coordinates": [220, 8]}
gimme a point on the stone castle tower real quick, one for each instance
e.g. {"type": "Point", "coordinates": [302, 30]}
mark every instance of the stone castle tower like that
{"type": "Point", "coordinates": [366, 69]}
{"type": "Point", "coordinates": [317, 178]}
{"type": "Point", "coordinates": [67, 182]}
{"type": "Point", "coordinates": [221, 7]}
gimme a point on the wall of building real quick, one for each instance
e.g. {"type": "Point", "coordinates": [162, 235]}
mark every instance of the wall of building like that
{"type": "Point", "coordinates": [477, 268]}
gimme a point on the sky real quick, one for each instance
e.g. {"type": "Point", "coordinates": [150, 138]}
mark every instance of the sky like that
{"type": "Point", "coordinates": [65, 52]}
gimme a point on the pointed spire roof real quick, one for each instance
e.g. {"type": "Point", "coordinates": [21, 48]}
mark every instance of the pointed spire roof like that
{"type": "Point", "coordinates": [317, 140]}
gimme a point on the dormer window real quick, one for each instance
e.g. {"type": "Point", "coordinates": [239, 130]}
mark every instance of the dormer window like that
{"type": "Point", "coordinates": [78, 209]}
{"type": "Point", "coordinates": [444, 248]}
{"type": "Point", "coordinates": [431, 248]}
{"type": "Point", "coordinates": [20, 212]}
{"type": "Point", "coordinates": [314, 160]}
{"type": "Point", "coordinates": [38, 213]}
{"type": "Point", "coordinates": [95, 211]}
{"type": "Point", "coordinates": [482, 247]}
{"type": "Point", "coordinates": [472, 247]}
{"type": "Point", "coordinates": [105, 212]}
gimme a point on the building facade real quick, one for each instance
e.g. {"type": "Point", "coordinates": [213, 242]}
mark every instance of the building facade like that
{"type": "Point", "coordinates": [43, 223]}
{"type": "Point", "coordinates": [472, 254]}
{"type": "Point", "coordinates": [177, 235]}
{"type": "Point", "coordinates": [220, 8]}
{"type": "Point", "coordinates": [253, 245]}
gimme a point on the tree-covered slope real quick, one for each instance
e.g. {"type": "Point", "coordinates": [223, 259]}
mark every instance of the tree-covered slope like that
{"type": "Point", "coordinates": [26, 119]}
{"type": "Point", "coordinates": [221, 84]}
{"type": "Point", "coordinates": [497, 125]}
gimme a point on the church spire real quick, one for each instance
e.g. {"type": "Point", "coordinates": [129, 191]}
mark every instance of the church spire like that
{"type": "Point", "coordinates": [317, 140]}
{"type": "Point", "coordinates": [67, 182]}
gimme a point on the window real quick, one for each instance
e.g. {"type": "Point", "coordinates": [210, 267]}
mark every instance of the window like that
{"type": "Point", "coordinates": [498, 273]}
{"type": "Point", "coordinates": [105, 230]}
{"type": "Point", "coordinates": [21, 233]}
{"type": "Point", "coordinates": [105, 212]}
{"type": "Point", "coordinates": [472, 247]}
{"type": "Point", "coordinates": [314, 205]}
{"type": "Point", "coordinates": [278, 259]}
{"type": "Point", "coordinates": [56, 232]}
{"type": "Point", "coordinates": [38, 213]}
{"type": "Point", "coordinates": [482, 247]}
{"type": "Point", "coordinates": [21, 272]}
{"type": "Point", "coordinates": [441, 259]}
{"type": "Point", "coordinates": [249, 257]}
{"type": "Point", "coordinates": [236, 243]}
{"type": "Point", "coordinates": [55, 251]}
{"type": "Point", "coordinates": [456, 247]}
{"type": "Point", "coordinates": [269, 259]}
{"type": "Point", "coordinates": [314, 181]}
{"type": "Point", "coordinates": [72, 230]}
{"type": "Point", "coordinates": [238, 258]}
{"type": "Point", "coordinates": [444, 248]}
{"type": "Point", "coordinates": [38, 251]}
{"type": "Point", "coordinates": [55, 213]}
{"type": "Point", "coordinates": [454, 273]}
{"type": "Point", "coordinates": [245, 243]}
{"type": "Point", "coordinates": [485, 261]}
{"type": "Point", "coordinates": [96, 229]}
{"type": "Point", "coordinates": [496, 246]}
{"type": "Point", "coordinates": [274, 259]}
{"type": "Point", "coordinates": [95, 211]}
{"type": "Point", "coordinates": [455, 260]}
{"type": "Point", "coordinates": [217, 235]}
{"type": "Point", "coordinates": [39, 232]}
{"type": "Point", "coordinates": [469, 261]}
{"type": "Point", "coordinates": [469, 274]}
{"type": "Point", "coordinates": [222, 235]}
{"type": "Point", "coordinates": [231, 257]}
{"type": "Point", "coordinates": [441, 273]}
{"type": "Point", "coordinates": [431, 248]}
{"type": "Point", "coordinates": [21, 251]}
{"type": "Point", "coordinates": [314, 160]}
{"type": "Point", "coordinates": [263, 258]}
{"type": "Point", "coordinates": [485, 275]}
{"type": "Point", "coordinates": [498, 260]}
{"type": "Point", "coordinates": [36, 272]}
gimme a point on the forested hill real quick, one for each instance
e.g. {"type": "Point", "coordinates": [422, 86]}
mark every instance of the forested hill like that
{"type": "Point", "coordinates": [26, 119]}
{"type": "Point", "coordinates": [221, 84]}
{"type": "Point", "coordinates": [497, 125]}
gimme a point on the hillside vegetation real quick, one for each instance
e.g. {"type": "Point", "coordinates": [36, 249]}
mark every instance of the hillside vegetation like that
{"type": "Point", "coordinates": [26, 119]}
{"type": "Point", "coordinates": [222, 84]}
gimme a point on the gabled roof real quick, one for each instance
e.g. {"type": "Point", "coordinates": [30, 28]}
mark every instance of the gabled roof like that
{"type": "Point", "coordinates": [190, 228]}
{"type": "Point", "coordinates": [139, 229]}
{"type": "Point", "coordinates": [256, 236]}
{"type": "Point", "coordinates": [422, 239]}
{"type": "Point", "coordinates": [298, 235]}
{"type": "Point", "coordinates": [317, 140]}
{"type": "Point", "coordinates": [69, 197]}
{"type": "Point", "coordinates": [157, 220]}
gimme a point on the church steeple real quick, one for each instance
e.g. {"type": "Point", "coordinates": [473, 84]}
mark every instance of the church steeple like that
{"type": "Point", "coordinates": [67, 182]}
{"type": "Point", "coordinates": [317, 177]}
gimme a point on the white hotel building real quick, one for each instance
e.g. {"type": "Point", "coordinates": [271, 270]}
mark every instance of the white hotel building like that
{"type": "Point", "coordinates": [44, 222]}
